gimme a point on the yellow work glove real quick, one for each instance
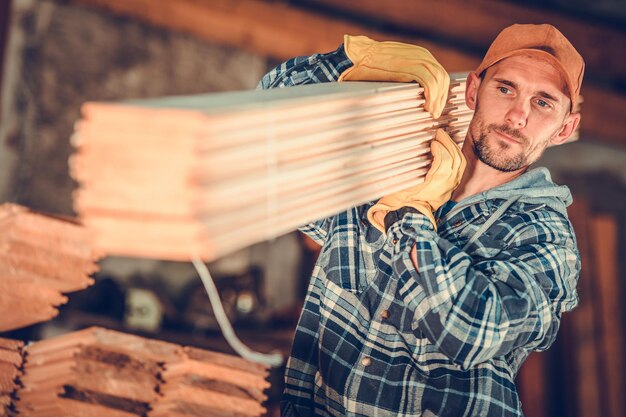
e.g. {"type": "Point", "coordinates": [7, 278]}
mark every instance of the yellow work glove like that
{"type": "Point", "coordinates": [441, 179]}
{"type": "Point", "coordinates": [398, 62]}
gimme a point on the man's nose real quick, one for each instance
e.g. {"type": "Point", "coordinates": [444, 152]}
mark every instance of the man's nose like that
{"type": "Point", "coordinates": [517, 116]}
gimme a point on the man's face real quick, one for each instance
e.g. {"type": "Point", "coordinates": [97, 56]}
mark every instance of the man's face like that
{"type": "Point", "coordinates": [520, 107]}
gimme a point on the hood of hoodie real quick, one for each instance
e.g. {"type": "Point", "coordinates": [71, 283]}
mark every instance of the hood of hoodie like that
{"type": "Point", "coordinates": [534, 186]}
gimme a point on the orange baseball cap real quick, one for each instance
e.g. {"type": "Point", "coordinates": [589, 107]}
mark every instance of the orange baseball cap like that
{"type": "Point", "coordinates": [544, 42]}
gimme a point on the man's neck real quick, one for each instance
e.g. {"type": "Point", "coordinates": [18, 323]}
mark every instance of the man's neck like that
{"type": "Point", "coordinates": [479, 177]}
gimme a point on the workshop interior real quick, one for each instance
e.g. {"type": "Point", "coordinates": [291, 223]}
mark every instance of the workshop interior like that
{"type": "Point", "coordinates": [75, 315]}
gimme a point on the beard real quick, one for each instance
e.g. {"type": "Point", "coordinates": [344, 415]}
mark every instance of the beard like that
{"type": "Point", "coordinates": [497, 155]}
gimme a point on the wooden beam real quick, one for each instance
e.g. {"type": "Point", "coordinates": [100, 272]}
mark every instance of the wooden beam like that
{"type": "Point", "coordinates": [271, 29]}
{"type": "Point", "coordinates": [482, 20]}
{"type": "Point", "coordinates": [281, 31]}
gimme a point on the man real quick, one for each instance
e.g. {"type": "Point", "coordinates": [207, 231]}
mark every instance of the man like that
{"type": "Point", "coordinates": [414, 313]}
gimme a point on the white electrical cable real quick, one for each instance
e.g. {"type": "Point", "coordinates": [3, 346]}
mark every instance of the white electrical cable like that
{"type": "Point", "coordinates": [272, 359]}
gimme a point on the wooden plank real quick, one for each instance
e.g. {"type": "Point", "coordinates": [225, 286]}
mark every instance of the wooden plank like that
{"type": "Point", "coordinates": [41, 257]}
{"type": "Point", "coordinates": [211, 399]}
{"type": "Point", "coordinates": [228, 361]}
{"type": "Point", "coordinates": [8, 373]}
{"type": "Point", "coordinates": [14, 357]}
{"type": "Point", "coordinates": [273, 29]}
{"type": "Point", "coordinates": [22, 304]}
{"type": "Point", "coordinates": [68, 407]}
{"type": "Point", "coordinates": [11, 344]}
{"type": "Point", "coordinates": [605, 244]}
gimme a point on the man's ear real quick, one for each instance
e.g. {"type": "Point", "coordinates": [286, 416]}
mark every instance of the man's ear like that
{"type": "Point", "coordinates": [471, 90]}
{"type": "Point", "coordinates": [569, 126]}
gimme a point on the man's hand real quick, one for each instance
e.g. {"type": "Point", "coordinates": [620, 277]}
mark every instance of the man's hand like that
{"type": "Point", "coordinates": [441, 179]}
{"type": "Point", "coordinates": [399, 62]}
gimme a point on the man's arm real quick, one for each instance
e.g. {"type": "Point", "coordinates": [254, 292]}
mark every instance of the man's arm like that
{"type": "Point", "coordinates": [314, 69]}
{"type": "Point", "coordinates": [475, 309]}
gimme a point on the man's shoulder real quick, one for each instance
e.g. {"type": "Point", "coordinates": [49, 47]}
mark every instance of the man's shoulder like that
{"type": "Point", "coordinates": [534, 222]}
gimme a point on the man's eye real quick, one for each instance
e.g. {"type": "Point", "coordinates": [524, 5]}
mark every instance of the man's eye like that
{"type": "Point", "coordinates": [542, 103]}
{"type": "Point", "coordinates": [504, 90]}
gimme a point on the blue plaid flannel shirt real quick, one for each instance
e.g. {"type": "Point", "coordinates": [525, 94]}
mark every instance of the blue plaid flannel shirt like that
{"type": "Point", "coordinates": [378, 338]}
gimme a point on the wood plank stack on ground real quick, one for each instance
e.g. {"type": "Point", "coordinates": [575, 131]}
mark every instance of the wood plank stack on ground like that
{"type": "Point", "coordinates": [207, 383]}
{"type": "Point", "coordinates": [41, 257]}
{"type": "Point", "coordinates": [94, 372]}
{"type": "Point", "coordinates": [11, 361]}
{"type": "Point", "coordinates": [100, 372]}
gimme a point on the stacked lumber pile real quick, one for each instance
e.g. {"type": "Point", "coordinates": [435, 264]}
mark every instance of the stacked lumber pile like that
{"type": "Point", "coordinates": [206, 383]}
{"type": "Point", "coordinates": [94, 372]}
{"type": "Point", "coordinates": [99, 372]}
{"type": "Point", "coordinates": [207, 175]}
{"type": "Point", "coordinates": [41, 257]}
{"type": "Point", "coordinates": [11, 360]}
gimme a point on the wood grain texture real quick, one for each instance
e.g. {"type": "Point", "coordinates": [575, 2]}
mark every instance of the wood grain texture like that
{"type": "Point", "coordinates": [41, 257]}
{"type": "Point", "coordinates": [263, 161]}
{"type": "Point", "coordinates": [99, 372]}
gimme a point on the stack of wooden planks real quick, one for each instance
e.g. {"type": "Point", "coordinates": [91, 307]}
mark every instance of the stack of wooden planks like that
{"type": "Point", "coordinates": [41, 257]}
{"type": "Point", "coordinates": [11, 361]}
{"type": "Point", "coordinates": [173, 177]}
{"type": "Point", "coordinates": [94, 372]}
{"type": "Point", "coordinates": [99, 372]}
{"type": "Point", "coordinates": [206, 383]}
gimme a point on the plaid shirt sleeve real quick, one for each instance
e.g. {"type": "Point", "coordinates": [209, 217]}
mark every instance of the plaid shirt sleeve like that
{"type": "Point", "coordinates": [476, 309]}
{"type": "Point", "coordinates": [318, 68]}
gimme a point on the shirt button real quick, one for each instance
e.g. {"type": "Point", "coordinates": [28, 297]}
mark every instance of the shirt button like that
{"type": "Point", "coordinates": [458, 223]}
{"type": "Point", "coordinates": [384, 314]}
{"type": "Point", "coordinates": [366, 361]}
{"type": "Point", "coordinates": [394, 241]}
